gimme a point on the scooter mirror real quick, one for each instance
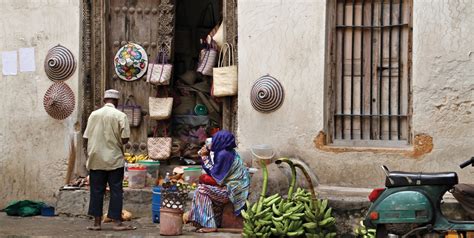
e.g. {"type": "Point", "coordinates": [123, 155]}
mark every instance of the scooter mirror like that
{"type": "Point", "coordinates": [466, 163]}
{"type": "Point", "coordinates": [385, 170]}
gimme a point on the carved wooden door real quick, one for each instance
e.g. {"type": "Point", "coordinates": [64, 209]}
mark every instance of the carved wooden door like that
{"type": "Point", "coordinates": [148, 23]}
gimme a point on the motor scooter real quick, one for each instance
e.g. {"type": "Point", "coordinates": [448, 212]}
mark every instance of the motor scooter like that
{"type": "Point", "coordinates": [410, 204]}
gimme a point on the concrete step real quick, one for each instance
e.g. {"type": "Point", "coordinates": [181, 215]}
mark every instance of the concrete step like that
{"type": "Point", "coordinates": [349, 204]}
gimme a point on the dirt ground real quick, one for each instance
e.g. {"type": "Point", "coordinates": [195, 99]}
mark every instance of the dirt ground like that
{"type": "Point", "coordinates": [61, 226]}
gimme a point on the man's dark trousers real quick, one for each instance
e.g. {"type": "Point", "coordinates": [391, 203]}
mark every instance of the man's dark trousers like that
{"type": "Point", "coordinates": [98, 180]}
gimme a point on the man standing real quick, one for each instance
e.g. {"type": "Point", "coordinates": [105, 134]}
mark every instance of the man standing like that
{"type": "Point", "coordinates": [106, 132]}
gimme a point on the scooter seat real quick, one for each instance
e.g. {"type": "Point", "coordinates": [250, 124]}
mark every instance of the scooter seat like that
{"type": "Point", "coordinates": [398, 179]}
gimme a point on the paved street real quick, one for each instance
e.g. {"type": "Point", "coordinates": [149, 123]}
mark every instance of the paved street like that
{"type": "Point", "coordinates": [61, 226]}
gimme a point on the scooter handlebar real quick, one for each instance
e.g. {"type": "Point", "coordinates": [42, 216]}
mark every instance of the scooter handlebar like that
{"type": "Point", "coordinates": [466, 163]}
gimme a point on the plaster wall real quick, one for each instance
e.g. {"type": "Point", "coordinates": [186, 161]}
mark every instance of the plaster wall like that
{"type": "Point", "coordinates": [286, 39]}
{"type": "Point", "coordinates": [34, 147]}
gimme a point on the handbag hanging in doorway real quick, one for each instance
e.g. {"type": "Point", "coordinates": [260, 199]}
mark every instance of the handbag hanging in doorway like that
{"type": "Point", "coordinates": [132, 110]}
{"type": "Point", "coordinates": [225, 80]}
{"type": "Point", "coordinates": [207, 58]}
{"type": "Point", "coordinates": [159, 148]}
{"type": "Point", "coordinates": [160, 107]}
{"type": "Point", "coordinates": [217, 34]}
{"type": "Point", "coordinates": [159, 72]}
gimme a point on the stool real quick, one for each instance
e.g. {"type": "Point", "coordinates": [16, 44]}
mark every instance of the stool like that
{"type": "Point", "coordinates": [229, 220]}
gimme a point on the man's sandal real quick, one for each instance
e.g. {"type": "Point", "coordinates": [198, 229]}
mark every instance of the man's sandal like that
{"type": "Point", "coordinates": [124, 228]}
{"type": "Point", "coordinates": [94, 228]}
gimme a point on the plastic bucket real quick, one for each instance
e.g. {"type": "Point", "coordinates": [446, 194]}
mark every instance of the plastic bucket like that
{"type": "Point", "coordinates": [156, 204]}
{"type": "Point", "coordinates": [152, 170]}
{"type": "Point", "coordinates": [171, 222]}
{"type": "Point", "coordinates": [47, 211]}
{"type": "Point", "coordinates": [263, 153]}
{"type": "Point", "coordinates": [136, 177]}
{"type": "Point", "coordinates": [191, 174]}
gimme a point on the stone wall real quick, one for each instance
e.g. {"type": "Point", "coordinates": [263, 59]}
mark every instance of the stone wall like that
{"type": "Point", "coordinates": [286, 39]}
{"type": "Point", "coordinates": [34, 147]}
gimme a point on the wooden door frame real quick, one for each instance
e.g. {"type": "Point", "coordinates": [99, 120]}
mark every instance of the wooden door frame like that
{"type": "Point", "coordinates": [94, 40]}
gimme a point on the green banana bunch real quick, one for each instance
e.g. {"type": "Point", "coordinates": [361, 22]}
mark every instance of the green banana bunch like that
{"type": "Point", "coordinates": [318, 219]}
{"type": "Point", "coordinates": [259, 224]}
{"type": "Point", "coordinates": [257, 217]}
{"type": "Point", "coordinates": [300, 214]}
{"type": "Point", "coordinates": [362, 231]}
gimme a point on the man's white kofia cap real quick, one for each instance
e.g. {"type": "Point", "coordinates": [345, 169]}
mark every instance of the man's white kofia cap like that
{"type": "Point", "coordinates": [112, 93]}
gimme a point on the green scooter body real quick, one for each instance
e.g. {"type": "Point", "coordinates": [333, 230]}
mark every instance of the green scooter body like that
{"type": "Point", "coordinates": [414, 204]}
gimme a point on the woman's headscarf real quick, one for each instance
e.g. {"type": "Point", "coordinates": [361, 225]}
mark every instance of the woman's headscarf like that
{"type": "Point", "coordinates": [223, 144]}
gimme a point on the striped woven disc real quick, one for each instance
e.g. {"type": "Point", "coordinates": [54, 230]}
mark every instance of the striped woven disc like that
{"type": "Point", "coordinates": [59, 101]}
{"type": "Point", "coordinates": [59, 63]}
{"type": "Point", "coordinates": [267, 94]}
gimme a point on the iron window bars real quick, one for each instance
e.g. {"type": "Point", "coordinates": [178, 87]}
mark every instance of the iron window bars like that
{"type": "Point", "coordinates": [372, 88]}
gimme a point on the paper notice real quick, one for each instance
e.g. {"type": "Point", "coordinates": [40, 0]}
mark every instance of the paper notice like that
{"type": "Point", "coordinates": [27, 60]}
{"type": "Point", "coordinates": [9, 61]}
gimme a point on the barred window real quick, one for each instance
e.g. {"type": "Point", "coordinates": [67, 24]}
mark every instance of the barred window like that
{"type": "Point", "coordinates": [370, 71]}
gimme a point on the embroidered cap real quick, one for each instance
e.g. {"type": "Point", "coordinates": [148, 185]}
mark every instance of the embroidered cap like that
{"type": "Point", "coordinates": [112, 93]}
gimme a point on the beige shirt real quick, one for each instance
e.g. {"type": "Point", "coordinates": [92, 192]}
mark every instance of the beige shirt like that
{"type": "Point", "coordinates": [105, 129]}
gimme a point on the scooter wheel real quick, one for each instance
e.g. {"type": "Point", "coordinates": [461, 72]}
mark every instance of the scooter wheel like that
{"type": "Point", "coordinates": [381, 232]}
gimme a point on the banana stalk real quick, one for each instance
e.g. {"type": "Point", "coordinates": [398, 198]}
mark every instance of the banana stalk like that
{"type": "Point", "coordinates": [310, 183]}
{"type": "Point", "coordinates": [293, 174]}
{"type": "Point", "coordinates": [264, 186]}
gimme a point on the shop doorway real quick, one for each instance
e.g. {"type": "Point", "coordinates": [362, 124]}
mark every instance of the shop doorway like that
{"type": "Point", "coordinates": [175, 26]}
{"type": "Point", "coordinates": [196, 114]}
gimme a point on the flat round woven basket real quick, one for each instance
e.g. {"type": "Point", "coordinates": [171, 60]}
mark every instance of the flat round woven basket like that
{"type": "Point", "coordinates": [59, 101]}
{"type": "Point", "coordinates": [59, 63]}
{"type": "Point", "coordinates": [130, 62]}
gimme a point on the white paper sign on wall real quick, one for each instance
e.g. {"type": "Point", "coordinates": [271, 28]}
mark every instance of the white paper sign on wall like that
{"type": "Point", "coordinates": [9, 62]}
{"type": "Point", "coordinates": [27, 59]}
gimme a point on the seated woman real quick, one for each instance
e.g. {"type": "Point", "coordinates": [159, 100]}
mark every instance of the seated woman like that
{"type": "Point", "coordinates": [232, 183]}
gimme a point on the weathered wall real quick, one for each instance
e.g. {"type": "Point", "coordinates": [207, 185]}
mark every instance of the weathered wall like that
{"type": "Point", "coordinates": [286, 39]}
{"type": "Point", "coordinates": [34, 147]}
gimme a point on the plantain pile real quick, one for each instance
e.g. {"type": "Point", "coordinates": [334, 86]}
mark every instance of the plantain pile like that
{"type": "Point", "coordinates": [257, 217]}
{"type": "Point", "coordinates": [318, 219]}
{"type": "Point", "coordinates": [299, 215]}
{"type": "Point", "coordinates": [362, 231]}
{"type": "Point", "coordinates": [259, 223]}
{"type": "Point", "coordinates": [131, 158]}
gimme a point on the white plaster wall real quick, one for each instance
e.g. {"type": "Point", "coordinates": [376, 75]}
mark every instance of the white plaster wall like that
{"type": "Point", "coordinates": [33, 146]}
{"type": "Point", "coordinates": [286, 39]}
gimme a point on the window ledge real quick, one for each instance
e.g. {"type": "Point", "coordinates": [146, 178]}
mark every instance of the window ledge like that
{"type": "Point", "coordinates": [422, 144]}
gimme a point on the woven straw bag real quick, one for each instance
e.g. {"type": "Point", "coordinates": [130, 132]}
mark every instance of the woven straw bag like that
{"type": "Point", "coordinates": [207, 59]}
{"type": "Point", "coordinates": [159, 148]}
{"type": "Point", "coordinates": [159, 73]}
{"type": "Point", "coordinates": [217, 34]}
{"type": "Point", "coordinates": [160, 108]}
{"type": "Point", "coordinates": [132, 110]}
{"type": "Point", "coordinates": [225, 75]}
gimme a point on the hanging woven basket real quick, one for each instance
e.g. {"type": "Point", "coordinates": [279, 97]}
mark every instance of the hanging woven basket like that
{"type": "Point", "coordinates": [59, 101]}
{"type": "Point", "coordinates": [59, 63]}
